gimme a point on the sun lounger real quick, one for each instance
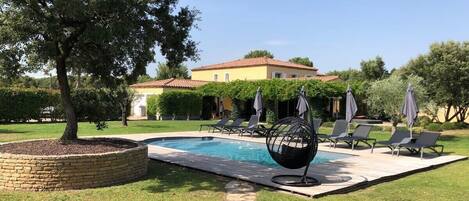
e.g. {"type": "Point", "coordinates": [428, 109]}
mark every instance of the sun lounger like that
{"type": "Point", "coordinates": [399, 137]}
{"type": "Point", "coordinates": [218, 124]}
{"type": "Point", "coordinates": [360, 134]}
{"type": "Point", "coordinates": [316, 124]}
{"type": "Point", "coordinates": [252, 127]}
{"type": "Point", "coordinates": [425, 140]}
{"type": "Point", "coordinates": [339, 130]}
{"type": "Point", "coordinates": [231, 128]}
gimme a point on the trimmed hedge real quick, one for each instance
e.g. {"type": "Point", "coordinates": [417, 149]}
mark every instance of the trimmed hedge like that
{"type": "Point", "coordinates": [179, 103]}
{"type": "Point", "coordinates": [24, 104]}
{"type": "Point", "coordinates": [21, 105]}
{"type": "Point", "coordinates": [152, 105]}
{"type": "Point", "coordinates": [434, 127]}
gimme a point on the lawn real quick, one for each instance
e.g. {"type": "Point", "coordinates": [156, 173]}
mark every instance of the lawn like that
{"type": "Point", "coordinates": [167, 182]}
{"type": "Point", "coordinates": [14, 132]}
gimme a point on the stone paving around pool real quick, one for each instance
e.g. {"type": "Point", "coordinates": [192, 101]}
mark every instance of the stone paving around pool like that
{"type": "Point", "coordinates": [336, 176]}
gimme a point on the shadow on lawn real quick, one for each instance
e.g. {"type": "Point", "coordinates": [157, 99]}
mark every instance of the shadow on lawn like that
{"type": "Point", "coordinates": [5, 131]}
{"type": "Point", "coordinates": [166, 178]}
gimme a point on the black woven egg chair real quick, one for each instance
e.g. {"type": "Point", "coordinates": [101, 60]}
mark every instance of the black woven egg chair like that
{"type": "Point", "coordinates": [293, 144]}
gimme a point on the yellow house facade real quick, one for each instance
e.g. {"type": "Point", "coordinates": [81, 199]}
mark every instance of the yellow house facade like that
{"type": "Point", "coordinates": [252, 69]}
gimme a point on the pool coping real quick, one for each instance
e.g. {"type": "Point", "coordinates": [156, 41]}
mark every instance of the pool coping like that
{"type": "Point", "coordinates": [363, 170]}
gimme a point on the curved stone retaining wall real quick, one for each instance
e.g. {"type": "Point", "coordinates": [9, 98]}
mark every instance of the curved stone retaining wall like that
{"type": "Point", "coordinates": [64, 172]}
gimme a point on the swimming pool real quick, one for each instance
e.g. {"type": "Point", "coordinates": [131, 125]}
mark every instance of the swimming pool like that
{"type": "Point", "coordinates": [233, 149]}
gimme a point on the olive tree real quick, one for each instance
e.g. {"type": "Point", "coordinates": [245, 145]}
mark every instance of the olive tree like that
{"type": "Point", "coordinates": [386, 96]}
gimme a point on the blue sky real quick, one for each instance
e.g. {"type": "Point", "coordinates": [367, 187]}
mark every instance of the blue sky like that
{"type": "Point", "coordinates": [335, 34]}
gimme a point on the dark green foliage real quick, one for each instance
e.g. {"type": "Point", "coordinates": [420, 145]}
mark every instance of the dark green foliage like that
{"type": "Point", "coordinates": [93, 105]}
{"type": "Point", "coordinates": [276, 89]}
{"type": "Point", "coordinates": [348, 75]}
{"type": "Point", "coordinates": [302, 60]}
{"type": "Point", "coordinates": [270, 116]}
{"type": "Point", "coordinates": [180, 103]}
{"type": "Point", "coordinates": [152, 105]}
{"type": "Point", "coordinates": [373, 69]}
{"type": "Point", "coordinates": [434, 127]}
{"type": "Point", "coordinates": [24, 104]}
{"type": "Point", "coordinates": [453, 125]}
{"type": "Point", "coordinates": [236, 109]}
{"type": "Point", "coordinates": [423, 121]}
{"type": "Point", "coordinates": [259, 53]}
{"type": "Point", "coordinates": [445, 73]}
{"type": "Point", "coordinates": [163, 71]}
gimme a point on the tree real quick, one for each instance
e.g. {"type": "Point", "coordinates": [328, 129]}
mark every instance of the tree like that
{"type": "Point", "coordinates": [258, 53]}
{"type": "Point", "coordinates": [445, 73]}
{"type": "Point", "coordinates": [165, 72]}
{"type": "Point", "coordinates": [113, 40]}
{"type": "Point", "coordinates": [301, 60]}
{"type": "Point", "coordinates": [373, 69]}
{"type": "Point", "coordinates": [348, 75]}
{"type": "Point", "coordinates": [386, 96]}
{"type": "Point", "coordinates": [123, 96]}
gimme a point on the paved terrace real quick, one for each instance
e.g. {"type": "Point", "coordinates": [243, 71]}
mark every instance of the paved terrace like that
{"type": "Point", "coordinates": [337, 176]}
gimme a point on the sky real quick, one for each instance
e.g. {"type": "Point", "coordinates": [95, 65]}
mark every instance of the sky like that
{"type": "Point", "coordinates": [334, 34]}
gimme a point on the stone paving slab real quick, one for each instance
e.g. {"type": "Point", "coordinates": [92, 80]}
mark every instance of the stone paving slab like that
{"type": "Point", "coordinates": [337, 176]}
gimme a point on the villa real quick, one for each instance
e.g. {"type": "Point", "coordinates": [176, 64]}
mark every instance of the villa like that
{"type": "Point", "coordinates": [261, 68]}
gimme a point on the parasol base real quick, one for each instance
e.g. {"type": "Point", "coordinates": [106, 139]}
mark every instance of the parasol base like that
{"type": "Point", "coordinates": [295, 180]}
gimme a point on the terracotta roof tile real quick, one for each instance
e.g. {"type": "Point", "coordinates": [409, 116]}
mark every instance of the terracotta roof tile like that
{"type": "Point", "coordinates": [170, 83]}
{"type": "Point", "coordinates": [254, 62]}
{"type": "Point", "coordinates": [324, 78]}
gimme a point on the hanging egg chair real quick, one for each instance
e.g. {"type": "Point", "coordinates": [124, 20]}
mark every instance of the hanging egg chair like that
{"type": "Point", "coordinates": [293, 144]}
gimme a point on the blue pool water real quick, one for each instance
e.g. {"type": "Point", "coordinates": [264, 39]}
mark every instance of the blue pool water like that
{"type": "Point", "coordinates": [233, 149]}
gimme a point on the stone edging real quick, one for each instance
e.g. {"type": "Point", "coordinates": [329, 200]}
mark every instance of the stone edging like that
{"type": "Point", "coordinates": [77, 171]}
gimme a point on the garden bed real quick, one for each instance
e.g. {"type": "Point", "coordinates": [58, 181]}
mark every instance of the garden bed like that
{"type": "Point", "coordinates": [46, 165]}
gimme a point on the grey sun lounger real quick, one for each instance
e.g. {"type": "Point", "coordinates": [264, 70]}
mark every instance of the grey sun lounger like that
{"type": "Point", "coordinates": [220, 123]}
{"type": "Point", "coordinates": [399, 137]}
{"type": "Point", "coordinates": [339, 130]}
{"type": "Point", "coordinates": [360, 134]}
{"type": "Point", "coordinates": [316, 124]}
{"type": "Point", "coordinates": [252, 127]}
{"type": "Point", "coordinates": [232, 127]}
{"type": "Point", "coordinates": [425, 140]}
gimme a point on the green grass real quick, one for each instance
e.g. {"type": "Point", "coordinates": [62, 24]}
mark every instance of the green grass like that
{"type": "Point", "coordinates": [167, 182]}
{"type": "Point", "coordinates": [14, 132]}
{"type": "Point", "coordinates": [163, 182]}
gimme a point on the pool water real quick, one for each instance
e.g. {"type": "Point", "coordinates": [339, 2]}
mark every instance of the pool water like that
{"type": "Point", "coordinates": [234, 149]}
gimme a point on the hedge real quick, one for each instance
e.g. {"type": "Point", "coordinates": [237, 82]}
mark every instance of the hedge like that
{"type": "Point", "coordinates": [24, 104]}
{"type": "Point", "coordinates": [20, 105]}
{"type": "Point", "coordinates": [180, 103]}
{"type": "Point", "coordinates": [152, 105]}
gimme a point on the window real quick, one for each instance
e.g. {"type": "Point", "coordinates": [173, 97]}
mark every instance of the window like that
{"type": "Point", "coordinates": [277, 75]}
{"type": "Point", "coordinates": [227, 77]}
{"type": "Point", "coordinates": [215, 77]}
{"type": "Point", "coordinates": [308, 75]}
{"type": "Point", "coordinates": [294, 75]}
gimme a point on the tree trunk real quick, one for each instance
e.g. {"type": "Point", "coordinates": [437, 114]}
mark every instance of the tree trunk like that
{"type": "Point", "coordinates": [78, 82]}
{"type": "Point", "coordinates": [124, 114]}
{"type": "Point", "coordinates": [71, 128]}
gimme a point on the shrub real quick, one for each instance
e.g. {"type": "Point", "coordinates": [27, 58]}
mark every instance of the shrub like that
{"type": "Point", "coordinates": [270, 116]}
{"type": "Point", "coordinates": [152, 106]}
{"type": "Point", "coordinates": [180, 103]}
{"type": "Point", "coordinates": [423, 121]}
{"type": "Point", "coordinates": [434, 127]}
{"type": "Point", "coordinates": [24, 104]}
{"type": "Point", "coordinates": [453, 125]}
